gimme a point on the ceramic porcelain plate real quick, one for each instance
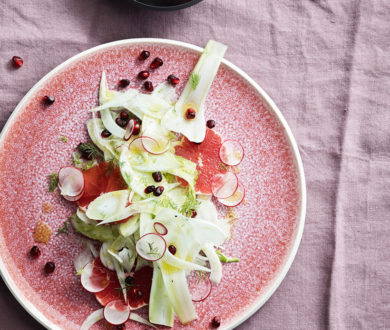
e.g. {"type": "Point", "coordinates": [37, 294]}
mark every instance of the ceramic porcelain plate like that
{"type": "Point", "coordinates": [271, 219]}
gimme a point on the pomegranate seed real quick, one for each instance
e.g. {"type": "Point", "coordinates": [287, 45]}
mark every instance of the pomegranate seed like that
{"type": "Point", "coordinates": [148, 86]}
{"type": "Point", "coordinates": [193, 214]}
{"type": "Point", "coordinates": [143, 75]}
{"type": "Point", "coordinates": [120, 122]}
{"type": "Point", "coordinates": [137, 129]}
{"type": "Point", "coordinates": [120, 327]}
{"type": "Point", "coordinates": [35, 252]}
{"type": "Point", "coordinates": [216, 322]}
{"type": "Point", "coordinates": [190, 113]}
{"type": "Point", "coordinates": [129, 280]}
{"type": "Point", "coordinates": [172, 249]}
{"type": "Point", "coordinates": [156, 63]}
{"type": "Point", "coordinates": [139, 121]}
{"type": "Point", "coordinates": [124, 83]}
{"type": "Point", "coordinates": [210, 123]}
{"type": "Point", "coordinates": [17, 61]}
{"type": "Point", "coordinates": [105, 134]}
{"type": "Point", "coordinates": [150, 189]}
{"type": "Point", "coordinates": [48, 100]}
{"type": "Point", "coordinates": [157, 176]}
{"type": "Point", "coordinates": [173, 80]}
{"type": "Point", "coordinates": [144, 55]}
{"type": "Point", "coordinates": [49, 267]}
{"type": "Point", "coordinates": [124, 115]}
{"type": "Point", "coordinates": [84, 154]}
{"type": "Point", "coordinates": [159, 190]}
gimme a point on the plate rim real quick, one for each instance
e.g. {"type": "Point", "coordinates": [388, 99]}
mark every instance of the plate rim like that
{"type": "Point", "coordinates": [301, 213]}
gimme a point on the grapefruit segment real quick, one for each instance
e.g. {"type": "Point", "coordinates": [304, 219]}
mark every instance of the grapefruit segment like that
{"type": "Point", "coordinates": [101, 178]}
{"type": "Point", "coordinates": [206, 156]}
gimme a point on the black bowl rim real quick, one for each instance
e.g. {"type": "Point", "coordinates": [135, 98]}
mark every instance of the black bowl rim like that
{"type": "Point", "coordinates": [175, 7]}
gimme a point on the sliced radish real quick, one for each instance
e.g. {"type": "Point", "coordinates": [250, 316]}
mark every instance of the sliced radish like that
{"type": "Point", "coordinates": [151, 247]}
{"type": "Point", "coordinates": [154, 146]}
{"type": "Point", "coordinates": [129, 129]}
{"type": "Point", "coordinates": [224, 185]}
{"type": "Point", "coordinates": [116, 312]}
{"type": "Point", "coordinates": [82, 259]}
{"type": "Point", "coordinates": [71, 181]}
{"type": "Point", "coordinates": [231, 152]}
{"type": "Point", "coordinates": [236, 198]}
{"type": "Point", "coordinates": [160, 228]}
{"type": "Point", "coordinates": [74, 198]}
{"type": "Point", "coordinates": [94, 278]}
{"type": "Point", "coordinates": [199, 285]}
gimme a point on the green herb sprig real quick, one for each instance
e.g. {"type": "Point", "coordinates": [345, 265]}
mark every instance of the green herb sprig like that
{"type": "Point", "coordinates": [63, 230]}
{"type": "Point", "coordinates": [52, 181]}
{"type": "Point", "coordinates": [194, 80]}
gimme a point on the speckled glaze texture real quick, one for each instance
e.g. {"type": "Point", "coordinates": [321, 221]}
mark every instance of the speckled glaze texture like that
{"type": "Point", "coordinates": [31, 149]}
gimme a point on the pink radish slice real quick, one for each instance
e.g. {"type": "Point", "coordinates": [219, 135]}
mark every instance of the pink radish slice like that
{"type": "Point", "coordinates": [151, 247]}
{"type": "Point", "coordinates": [154, 146]}
{"type": "Point", "coordinates": [73, 198]}
{"type": "Point", "coordinates": [231, 152]}
{"type": "Point", "coordinates": [70, 181]}
{"type": "Point", "coordinates": [129, 129]}
{"type": "Point", "coordinates": [116, 312]}
{"type": "Point", "coordinates": [94, 278]}
{"type": "Point", "coordinates": [236, 198]}
{"type": "Point", "coordinates": [160, 228]}
{"type": "Point", "coordinates": [199, 285]}
{"type": "Point", "coordinates": [224, 185]}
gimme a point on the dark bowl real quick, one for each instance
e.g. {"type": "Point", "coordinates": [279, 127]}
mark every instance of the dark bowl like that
{"type": "Point", "coordinates": [164, 4]}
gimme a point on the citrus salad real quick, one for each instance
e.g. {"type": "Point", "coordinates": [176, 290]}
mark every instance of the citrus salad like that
{"type": "Point", "coordinates": [145, 189]}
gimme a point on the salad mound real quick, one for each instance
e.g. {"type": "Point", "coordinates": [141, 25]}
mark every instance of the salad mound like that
{"type": "Point", "coordinates": [144, 192]}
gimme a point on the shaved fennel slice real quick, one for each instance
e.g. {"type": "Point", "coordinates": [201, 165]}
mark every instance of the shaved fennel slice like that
{"type": "Point", "coordinates": [166, 91]}
{"type": "Point", "coordinates": [83, 258]}
{"type": "Point", "coordinates": [160, 309]}
{"type": "Point", "coordinates": [215, 263]}
{"type": "Point", "coordinates": [129, 227]}
{"type": "Point", "coordinates": [111, 125]}
{"type": "Point", "coordinates": [95, 127]}
{"type": "Point", "coordinates": [105, 257]}
{"type": "Point", "coordinates": [195, 93]}
{"type": "Point", "coordinates": [121, 277]}
{"type": "Point", "coordinates": [178, 293]}
{"type": "Point", "coordinates": [137, 318]}
{"type": "Point", "coordinates": [94, 317]}
{"type": "Point", "coordinates": [179, 263]}
{"type": "Point", "coordinates": [108, 205]}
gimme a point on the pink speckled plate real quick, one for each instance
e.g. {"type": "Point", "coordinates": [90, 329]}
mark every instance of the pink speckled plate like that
{"type": "Point", "coordinates": [270, 225]}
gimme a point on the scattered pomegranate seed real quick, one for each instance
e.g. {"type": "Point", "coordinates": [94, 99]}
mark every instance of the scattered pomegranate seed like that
{"type": "Point", "coordinates": [120, 122]}
{"type": "Point", "coordinates": [48, 100]}
{"type": "Point", "coordinates": [129, 280]}
{"type": "Point", "coordinates": [124, 83]}
{"type": "Point", "coordinates": [143, 75]}
{"type": "Point", "coordinates": [156, 63]}
{"type": "Point", "coordinates": [124, 115]}
{"type": "Point", "coordinates": [150, 189]}
{"type": "Point", "coordinates": [17, 61]}
{"type": "Point", "coordinates": [159, 190]}
{"type": "Point", "coordinates": [49, 267]}
{"type": "Point", "coordinates": [35, 252]}
{"type": "Point", "coordinates": [157, 176]}
{"type": "Point", "coordinates": [172, 249]}
{"type": "Point", "coordinates": [137, 129]}
{"type": "Point", "coordinates": [193, 213]}
{"type": "Point", "coordinates": [105, 134]}
{"type": "Point", "coordinates": [148, 86]}
{"type": "Point", "coordinates": [210, 123]}
{"type": "Point", "coordinates": [144, 55]}
{"type": "Point", "coordinates": [84, 154]}
{"type": "Point", "coordinates": [216, 322]}
{"type": "Point", "coordinates": [120, 327]}
{"type": "Point", "coordinates": [173, 80]}
{"type": "Point", "coordinates": [190, 113]}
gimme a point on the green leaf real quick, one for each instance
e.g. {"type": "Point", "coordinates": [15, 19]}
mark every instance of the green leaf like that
{"type": "Point", "coordinates": [194, 80]}
{"type": "Point", "coordinates": [52, 181]}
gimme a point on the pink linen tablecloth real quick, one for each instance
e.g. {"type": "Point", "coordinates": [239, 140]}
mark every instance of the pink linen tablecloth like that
{"type": "Point", "coordinates": [326, 64]}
